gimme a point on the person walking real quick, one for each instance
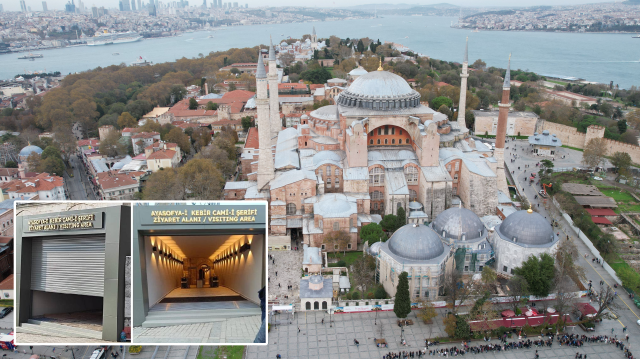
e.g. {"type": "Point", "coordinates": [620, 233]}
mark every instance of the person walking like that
{"type": "Point", "coordinates": [298, 329]}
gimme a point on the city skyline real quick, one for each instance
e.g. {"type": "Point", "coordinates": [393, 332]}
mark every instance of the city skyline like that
{"type": "Point", "coordinates": [113, 4]}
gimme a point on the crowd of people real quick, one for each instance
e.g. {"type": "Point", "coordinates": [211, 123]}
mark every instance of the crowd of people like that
{"type": "Point", "coordinates": [572, 340]}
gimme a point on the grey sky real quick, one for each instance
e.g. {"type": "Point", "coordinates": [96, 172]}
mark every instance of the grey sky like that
{"type": "Point", "coordinates": [36, 5]}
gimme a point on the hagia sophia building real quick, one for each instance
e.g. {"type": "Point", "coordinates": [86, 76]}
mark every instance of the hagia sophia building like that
{"type": "Point", "coordinates": [376, 149]}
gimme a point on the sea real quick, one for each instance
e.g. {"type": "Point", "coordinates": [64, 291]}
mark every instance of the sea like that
{"type": "Point", "coordinates": [598, 57]}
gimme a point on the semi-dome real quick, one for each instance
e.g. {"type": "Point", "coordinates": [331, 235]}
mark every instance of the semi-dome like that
{"type": "Point", "coordinates": [416, 242]}
{"type": "Point", "coordinates": [324, 156]}
{"type": "Point", "coordinates": [456, 222]}
{"type": "Point", "coordinates": [334, 205]}
{"type": "Point", "coordinates": [29, 150]}
{"type": "Point", "coordinates": [526, 227]}
{"type": "Point", "coordinates": [379, 90]}
{"type": "Point", "coordinates": [358, 71]}
{"type": "Point", "coordinates": [326, 113]}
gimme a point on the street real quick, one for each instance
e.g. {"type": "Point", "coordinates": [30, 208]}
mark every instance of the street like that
{"type": "Point", "coordinates": [79, 186]}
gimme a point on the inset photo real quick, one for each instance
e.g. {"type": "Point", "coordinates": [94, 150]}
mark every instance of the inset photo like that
{"type": "Point", "coordinates": [199, 272]}
{"type": "Point", "coordinates": [72, 270]}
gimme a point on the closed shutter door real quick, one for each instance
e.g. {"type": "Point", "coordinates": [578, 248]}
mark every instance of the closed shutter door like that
{"type": "Point", "coordinates": [68, 265]}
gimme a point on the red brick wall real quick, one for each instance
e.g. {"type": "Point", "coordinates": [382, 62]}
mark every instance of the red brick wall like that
{"type": "Point", "coordinates": [332, 170]}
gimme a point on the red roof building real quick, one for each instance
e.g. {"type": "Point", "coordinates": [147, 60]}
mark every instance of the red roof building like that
{"type": "Point", "coordinates": [600, 212]}
{"type": "Point", "coordinates": [234, 99]}
{"type": "Point", "coordinates": [46, 186]}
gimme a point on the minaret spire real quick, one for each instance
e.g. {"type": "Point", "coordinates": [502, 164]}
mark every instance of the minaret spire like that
{"type": "Point", "coordinates": [501, 132]}
{"type": "Point", "coordinates": [266, 169]}
{"type": "Point", "coordinates": [274, 102]}
{"type": "Point", "coordinates": [462, 109]}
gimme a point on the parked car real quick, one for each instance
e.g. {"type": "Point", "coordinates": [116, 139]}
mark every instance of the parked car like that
{"type": "Point", "coordinates": [597, 178]}
{"type": "Point", "coordinates": [4, 312]}
{"type": "Point", "coordinates": [542, 193]}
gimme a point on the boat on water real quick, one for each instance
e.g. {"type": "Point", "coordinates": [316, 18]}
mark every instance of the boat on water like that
{"type": "Point", "coordinates": [115, 54]}
{"type": "Point", "coordinates": [141, 62]}
{"type": "Point", "coordinates": [111, 38]}
{"type": "Point", "coordinates": [476, 30]}
{"type": "Point", "coordinates": [636, 37]}
{"type": "Point", "coordinates": [30, 56]}
{"type": "Point", "coordinates": [210, 37]}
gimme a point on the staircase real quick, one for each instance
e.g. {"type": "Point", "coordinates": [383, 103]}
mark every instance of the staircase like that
{"type": "Point", "coordinates": [51, 329]}
{"type": "Point", "coordinates": [184, 317]}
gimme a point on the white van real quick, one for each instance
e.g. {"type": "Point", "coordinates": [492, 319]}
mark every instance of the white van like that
{"type": "Point", "coordinates": [99, 353]}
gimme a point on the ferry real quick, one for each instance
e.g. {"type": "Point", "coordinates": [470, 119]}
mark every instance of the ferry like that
{"type": "Point", "coordinates": [30, 56]}
{"type": "Point", "coordinates": [112, 38]}
{"type": "Point", "coordinates": [636, 37]}
{"type": "Point", "coordinates": [115, 54]}
{"type": "Point", "coordinates": [141, 62]}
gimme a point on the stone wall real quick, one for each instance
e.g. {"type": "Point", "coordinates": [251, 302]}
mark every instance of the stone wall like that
{"type": "Point", "coordinates": [571, 137]}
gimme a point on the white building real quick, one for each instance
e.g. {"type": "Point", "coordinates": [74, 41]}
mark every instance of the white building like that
{"type": "Point", "coordinates": [519, 236]}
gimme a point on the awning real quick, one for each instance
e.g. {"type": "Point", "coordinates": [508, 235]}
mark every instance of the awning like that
{"type": "Point", "coordinates": [508, 313]}
{"type": "Point", "coordinates": [601, 220]}
{"type": "Point", "coordinates": [586, 308]}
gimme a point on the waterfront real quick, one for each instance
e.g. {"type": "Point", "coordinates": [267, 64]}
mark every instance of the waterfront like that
{"type": "Point", "coordinates": [595, 57]}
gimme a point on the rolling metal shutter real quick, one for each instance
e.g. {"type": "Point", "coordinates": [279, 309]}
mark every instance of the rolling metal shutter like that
{"type": "Point", "coordinates": [68, 265]}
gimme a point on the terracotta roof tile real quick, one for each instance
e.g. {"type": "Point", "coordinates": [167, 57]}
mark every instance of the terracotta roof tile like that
{"type": "Point", "coordinates": [7, 283]}
{"type": "Point", "coordinates": [162, 154]}
{"type": "Point", "coordinates": [252, 138]}
{"type": "Point", "coordinates": [115, 181]}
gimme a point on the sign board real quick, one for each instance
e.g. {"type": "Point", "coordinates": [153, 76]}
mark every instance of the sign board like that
{"type": "Point", "coordinates": [63, 223]}
{"type": "Point", "coordinates": [215, 213]}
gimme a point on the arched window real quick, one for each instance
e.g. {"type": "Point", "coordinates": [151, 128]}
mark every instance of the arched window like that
{"type": "Point", "coordinates": [393, 141]}
{"type": "Point", "coordinates": [378, 141]}
{"type": "Point", "coordinates": [316, 305]}
{"type": "Point", "coordinates": [337, 182]}
{"type": "Point", "coordinates": [376, 176]}
{"type": "Point", "coordinates": [386, 141]}
{"type": "Point", "coordinates": [376, 195]}
{"type": "Point", "coordinates": [328, 182]}
{"type": "Point", "coordinates": [308, 306]}
{"type": "Point", "coordinates": [413, 195]}
{"type": "Point", "coordinates": [320, 173]}
{"type": "Point", "coordinates": [375, 206]}
{"type": "Point", "coordinates": [336, 226]}
{"type": "Point", "coordinates": [371, 142]}
{"type": "Point", "coordinates": [291, 208]}
{"type": "Point", "coordinates": [337, 172]}
{"type": "Point", "coordinates": [350, 222]}
{"type": "Point", "coordinates": [328, 171]}
{"type": "Point", "coordinates": [398, 206]}
{"type": "Point", "coordinates": [324, 304]}
{"type": "Point", "coordinates": [411, 174]}
{"type": "Point", "coordinates": [400, 141]}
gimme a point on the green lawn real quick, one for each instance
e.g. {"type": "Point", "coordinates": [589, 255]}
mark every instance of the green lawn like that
{"type": "Point", "coordinates": [618, 195]}
{"type": "Point", "coordinates": [6, 302]}
{"type": "Point", "coordinates": [348, 258]}
{"type": "Point", "coordinates": [573, 148]}
{"type": "Point", "coordinates": [225, 351]}
{"type": "Point", "coordinates": [558, 82]}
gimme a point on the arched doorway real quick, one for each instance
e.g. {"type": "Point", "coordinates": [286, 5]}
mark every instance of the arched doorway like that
{"type": "Point", "coordinates": [324, 304]}
{"type": "Point", "coordinates": [308, 306]}
{"type": "Point", "coordinates": [316, 305]}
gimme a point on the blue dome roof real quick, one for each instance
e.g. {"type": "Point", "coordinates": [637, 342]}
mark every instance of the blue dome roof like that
{"type": "Point", "coordinates": [416, 242]}
{"type": "Point", "coordinates": [29, 150]}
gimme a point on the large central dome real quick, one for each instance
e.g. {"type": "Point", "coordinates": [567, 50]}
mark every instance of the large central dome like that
{"type": "Point", "coordinates": [415, 242]}
{"type": "Point", "coordinates": [380, 90]}
{"type": "Point", "coordinates": [526, 227]}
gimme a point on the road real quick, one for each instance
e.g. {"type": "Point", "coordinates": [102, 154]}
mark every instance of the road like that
{"type": "Point", "coordinates": [78, 187]}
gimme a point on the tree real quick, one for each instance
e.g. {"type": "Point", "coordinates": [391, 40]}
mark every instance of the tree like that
{"type": "Point", "coordinates": [427, 312]}
{"type": "Point", "coordinates": [479, 64]}
{"type": "Point", "coordinates": [633, 118]}
{"type": "Point", "coordinates": [163, 185]}
{"type": "Point", "coordinates": [489, 276]}
{"type": "Point", "coordinates": [247, 122]}
{"type": "Point", "coordinates": [401, 218]}
{"type": "Point", "coordinates": [66, 140]}
{"type": "Point", "coordinates": [33, 161]}
{"type": "Point", "coordinates": [622, 161]}
{"type": "Point", "coordinates": [594, 153]}
{"type": "Point", "coordinates": [363, 272]}
{"type": "Point", "coordinates": [446, 110]}
{"type": "Point", "coordinates": [604, 301]}
{"type": "Point", "coordinates": [201, 137]}
{"type": "Point", "coordinates": [566, 256]}
{"type": "Point", "coordinates": [180, 138]}
{"type": "Point", "coordinates": [389, 223]}
{"type": "Point", "coordinates": [450, 323]}
{"type": "Point", "coordinates": [234, 70]}
{"type": "Point", "coordinates": [50, 152]}
{"type": "Point", "coordinates": [112, 146]}
{"type": "Point", "coordinates": [463, 330]}
{"type": "Point", "coordinates": [441, 100]}
{"type": "Point", "coordinates": [517, 289]}
{"type": "Point", "coordinates": [316, 76]}
{"type": "Point", "coordinates": [456, 292]}
{"type": "Point", "coordinates": [220, 159]}
{"type": "Point", "coordinates": [622, 126]}
{"type": "Point", "coordinates": [232, 86]}
{"type": "Point", "coordinates": [337, 241]}
{"type": "Point", "coordinates": [371, 233]}
{"type": "Point", "coordinates": [212, 106]}
{"type": "Point", "coordinates": [53, 165]}
{"type": "Point", "coordinates": [201, 180]}
{"type": "Point", "coordinates": [546, 168]}
{"type": "Point", "coordinates": [126, 120]}
{"type": "Point", "coordinates": [539, 273]}
{"type": "Point", "coordinates": [402, 303]}
{"type": "Point", "coordinates": [380, 293]}
{"type": "Point", "coordinates": [287, 58]}
{"type": "Point", "coordinates": [11, 164]}
{"type": "Point", "coordinates": [193, 104]}
{"type": "Point", "coordinates": [630, 137]}
{"type": "Point", "coordinates": [177, 93]}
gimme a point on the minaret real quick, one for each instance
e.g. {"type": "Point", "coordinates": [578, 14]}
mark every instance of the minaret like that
{"type": "Point", "coordinates": [266, 169]}
{"type": "Point", "coordinates": [503, 115]}
{"type": "Point", "coordinates": [274, 104]}
{"type": "Point", "coordinates": [463, 88]}
{"type": "Point", "coordinates": [314, 39]}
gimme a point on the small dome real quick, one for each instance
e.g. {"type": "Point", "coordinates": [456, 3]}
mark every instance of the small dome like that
{"type": "Point", "coordinates": [416, 242]}
{"type": "Point", "coordinates": [358, 71]}
{"type": "Point", "coordinates": [315, 279]}
{"type": "Point", "coordinates": [456, 221]}
{"type": "Point", "coordinates": [527, 227]}
{"type": "Point", "coordinates": [29, 150]}
{"type": "Point", "coordinates": [545, 132]}
{"type": "Point", "coordinates": [415, 206]}
{"type": "Point", "coordinates": [323, 156]}
{"type": "Point", "coordinates": [327, 113]}
{"type": "Point", "coordinates": [334, 205]}
{"type": "Point", "coordinates": [375, 248]}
